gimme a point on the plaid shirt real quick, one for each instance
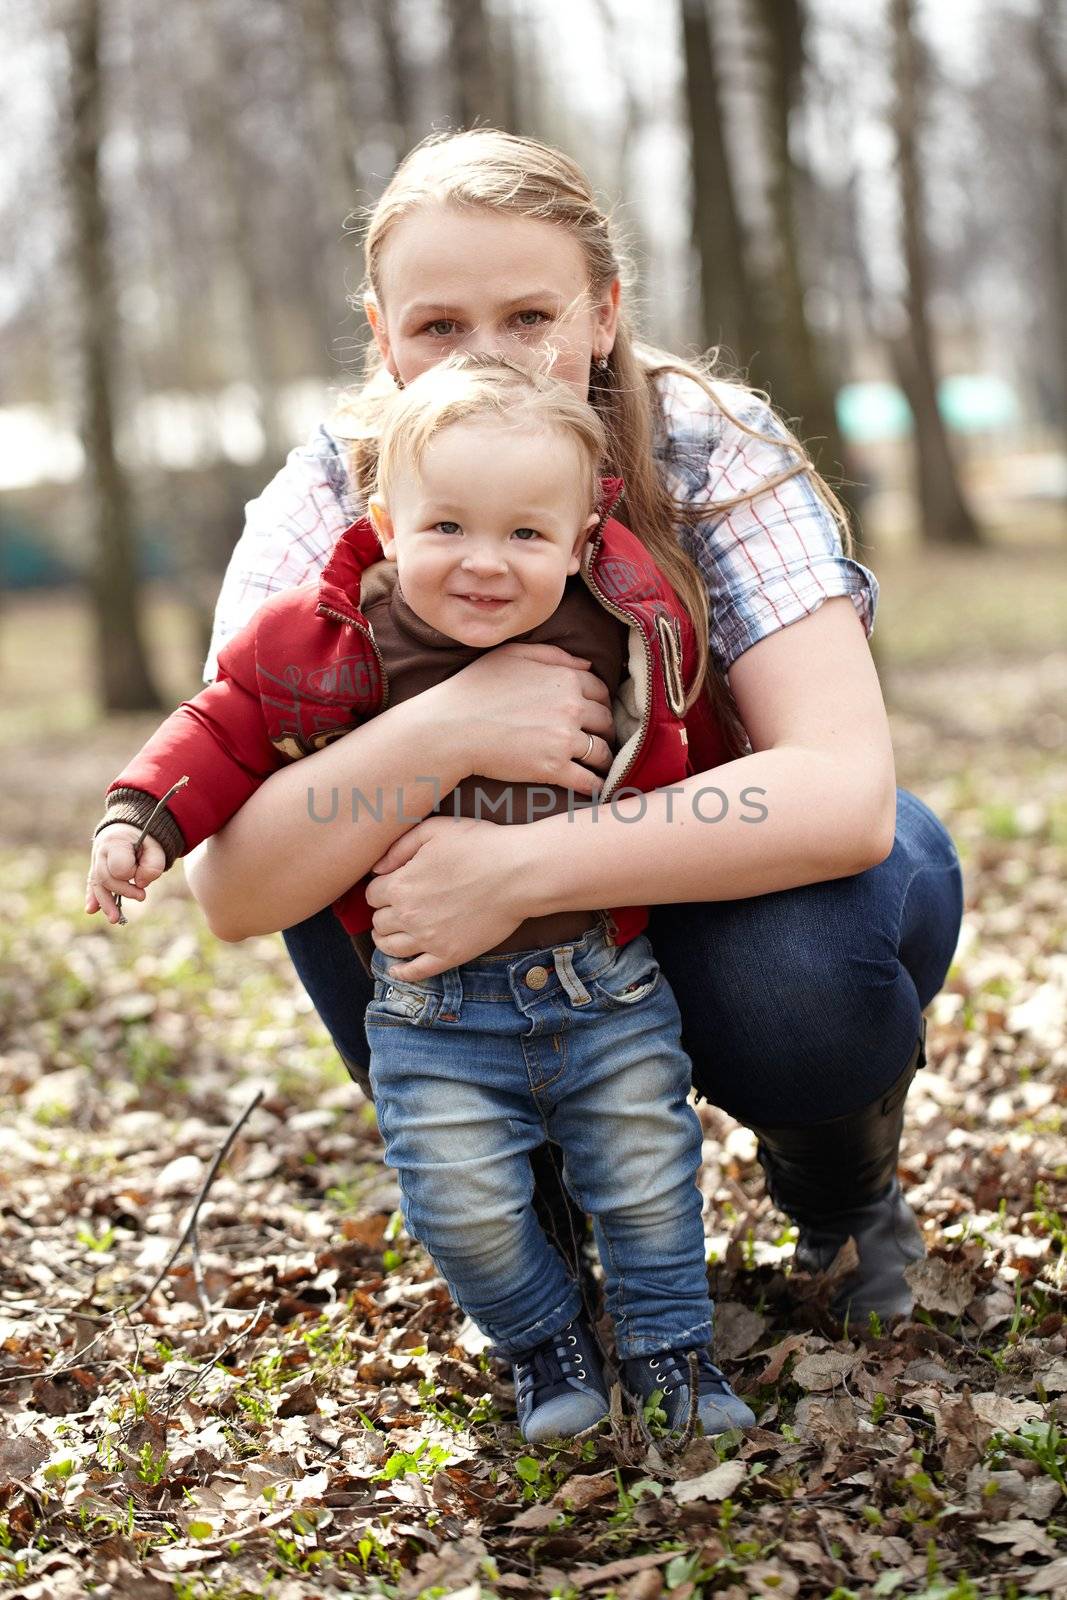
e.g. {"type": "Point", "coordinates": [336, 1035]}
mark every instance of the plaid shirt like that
{"type": "Point", "coordinates": [766, 563]}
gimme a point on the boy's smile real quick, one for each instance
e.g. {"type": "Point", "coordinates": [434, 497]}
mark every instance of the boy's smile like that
{"type": "Point", "coordinates": [488, 529]}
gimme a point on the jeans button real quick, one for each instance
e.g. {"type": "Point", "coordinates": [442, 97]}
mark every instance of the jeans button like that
{"type": "Point", "coordinates": [536, 978]}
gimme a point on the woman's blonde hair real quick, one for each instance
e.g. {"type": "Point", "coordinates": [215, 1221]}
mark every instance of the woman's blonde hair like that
{"type": "Point", "coordinates": [464, 388]}
{"type": "Point", "coordinates": [491, 170]}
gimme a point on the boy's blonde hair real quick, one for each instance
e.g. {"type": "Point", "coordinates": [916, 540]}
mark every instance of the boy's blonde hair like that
{"type": "Point", "coordinates": [466, 387]}
{"type": "Point", "coordinates": [500, 172]}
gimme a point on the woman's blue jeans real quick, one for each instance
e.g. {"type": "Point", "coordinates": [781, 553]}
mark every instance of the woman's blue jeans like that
{"type": "Point", "coordinates": [579, 1042]}
{"type": "Point", "coordinates": [797, 1007]}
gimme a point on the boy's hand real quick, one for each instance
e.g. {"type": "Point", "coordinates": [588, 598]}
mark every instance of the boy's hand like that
{"type": "Point", "coordinates": [113, 870]}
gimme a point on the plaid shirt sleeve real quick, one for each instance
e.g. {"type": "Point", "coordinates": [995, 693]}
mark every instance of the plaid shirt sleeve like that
{"type": "Point", "coordinates": [771, 560]}
{"type": "Point", "coordinates": [289, 532]}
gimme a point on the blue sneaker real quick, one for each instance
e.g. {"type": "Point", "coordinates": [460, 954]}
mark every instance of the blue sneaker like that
{"type": "Point", "coordinates": [718, 1408]}
{"type": "Point", "coordinates": [559, 1385]}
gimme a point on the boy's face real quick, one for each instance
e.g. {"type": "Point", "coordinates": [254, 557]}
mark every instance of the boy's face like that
{"type": "Point", "coordinates": [487, 531]}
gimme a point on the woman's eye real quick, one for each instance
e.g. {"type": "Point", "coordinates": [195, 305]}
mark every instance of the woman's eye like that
{"type": "Point", "coordinates": [526, 533]}
{"type": "Point", "coordinates": [441, 328]}
{"type": "Point", "coordinates": [447, 527]}
{"type": "Point", "coordinates": [532, 319]}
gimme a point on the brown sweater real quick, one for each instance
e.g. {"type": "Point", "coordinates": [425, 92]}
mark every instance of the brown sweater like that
{"type": "Point", "coordinates": [416, 656]}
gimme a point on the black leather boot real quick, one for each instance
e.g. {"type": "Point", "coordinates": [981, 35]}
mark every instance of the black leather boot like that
{"type": "Point", "coordinates": [837, 1180]}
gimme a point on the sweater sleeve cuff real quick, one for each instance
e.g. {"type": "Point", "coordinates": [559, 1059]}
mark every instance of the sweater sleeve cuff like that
{"type": "Point", "coordinates": [134, 806]}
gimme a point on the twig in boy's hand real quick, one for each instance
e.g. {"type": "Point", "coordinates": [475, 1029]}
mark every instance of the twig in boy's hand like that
{"type": "Point", "coordinates": [142, 836]}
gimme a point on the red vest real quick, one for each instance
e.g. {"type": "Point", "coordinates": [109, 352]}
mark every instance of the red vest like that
{"type": "Point", "coordinates": [305, 670]}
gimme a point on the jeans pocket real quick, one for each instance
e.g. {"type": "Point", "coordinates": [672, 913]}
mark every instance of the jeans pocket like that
{"type": "Point", "coordinates": [633, 976]}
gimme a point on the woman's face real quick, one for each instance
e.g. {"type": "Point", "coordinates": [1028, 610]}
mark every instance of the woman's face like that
{"type": "Point", "coordinates": [465, 280]}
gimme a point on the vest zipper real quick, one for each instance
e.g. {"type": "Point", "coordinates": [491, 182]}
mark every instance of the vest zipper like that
{"type": "Point", "coordinates": [339, 616]}
{"type": "Point", "coordinates": [632, 622]}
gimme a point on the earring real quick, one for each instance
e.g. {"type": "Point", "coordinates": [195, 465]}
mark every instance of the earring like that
{"type": "Point", "coordinates": [602, 363]}
{"type": "Point", "coordinates": [398, 380]}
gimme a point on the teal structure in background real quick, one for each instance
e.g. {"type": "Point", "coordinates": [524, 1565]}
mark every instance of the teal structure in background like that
{"type": "Point", "coordinates": [873, 413]}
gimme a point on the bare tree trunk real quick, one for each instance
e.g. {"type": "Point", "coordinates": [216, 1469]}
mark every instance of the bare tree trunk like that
{"type": "Point", "coordinates": [335, 172]}
{"type": "Point", "coordinates": [726, 308]}
{"type": "Point", "coordinates": [808, 393]}
{"type": "Point", "coordinates": [633, 122]}
{"type": "Point", "coordinates": [405, 126]}
{"type": "Point", "coordinates": [860, 292]}
{"type": "Point", "coordinates": [1050, 37]}
{"type": "Point", "coordinates": [527, 69]}
{"type": "Point", "coordinates": [124, 681]}
{"type": "Point", "coordinates": [945, 516]}
{"type": "Point", "coordinates": [246, 304]}
{"type": "Point", "coordinates": [475, 87]}
{"type": "Point", "coordinates": [507, 72]}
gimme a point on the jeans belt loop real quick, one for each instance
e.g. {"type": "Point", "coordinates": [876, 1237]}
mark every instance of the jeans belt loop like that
{"type": "Point", "coordinates": [569, 978]}
{"type": "Point", "coordinates": [450, 1003]}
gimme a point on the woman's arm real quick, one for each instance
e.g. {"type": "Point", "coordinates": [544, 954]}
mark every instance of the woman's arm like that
{"type": "Point", "coordinates": [822, 770]}
{"type": "Point", "coordinates": [517, 713]}
{"type": "Point", "coordinates": [823, 758]}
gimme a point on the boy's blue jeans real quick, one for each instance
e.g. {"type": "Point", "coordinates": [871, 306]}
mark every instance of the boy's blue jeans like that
{"type": "Point", "coordinates": [580, 1043]}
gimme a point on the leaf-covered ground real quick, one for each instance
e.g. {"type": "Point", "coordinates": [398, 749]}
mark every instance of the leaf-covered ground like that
{"type": "Point", "coordinates": [298, 1410]}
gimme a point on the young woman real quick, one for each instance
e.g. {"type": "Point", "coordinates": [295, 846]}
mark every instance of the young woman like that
{"type": "Point", "coordinates": [804, 909]}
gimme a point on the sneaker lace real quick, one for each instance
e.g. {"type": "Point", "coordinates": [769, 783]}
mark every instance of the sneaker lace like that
{"type": "Point", "coordinates": [672, 1370]}
{"type": "Point", "coordinates": [547, 1368]}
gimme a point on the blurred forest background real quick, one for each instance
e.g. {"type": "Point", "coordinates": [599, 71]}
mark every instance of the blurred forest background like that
{"type": "Point", "coordinates": [866, 205]}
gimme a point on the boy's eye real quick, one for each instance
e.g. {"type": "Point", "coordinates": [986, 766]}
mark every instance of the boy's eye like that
{"type": "Point", "coordinates": [526, 533]}
{"type": "Point", "coordinates": [447, 527]}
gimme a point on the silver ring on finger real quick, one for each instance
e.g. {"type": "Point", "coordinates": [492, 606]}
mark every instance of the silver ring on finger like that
{"type": "Point", "coordinates": [587, 752]}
